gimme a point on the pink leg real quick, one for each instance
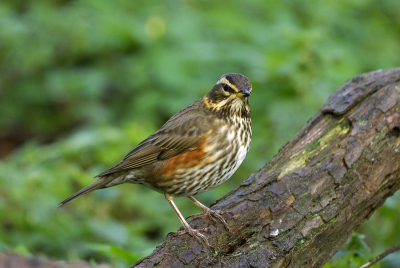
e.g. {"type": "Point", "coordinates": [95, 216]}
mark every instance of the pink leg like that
{"type": "Point", "coordinates": [209, 212]}
{"type": "Point", "coordinates": [193, 232]}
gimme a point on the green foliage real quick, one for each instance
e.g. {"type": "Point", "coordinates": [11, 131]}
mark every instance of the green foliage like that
{"type": "Point", "coordinates": [381, 230]}
{"type": "Point", "coordinates": [39, 176]}
{"type": "Point", "coordinates": [353, 253]}
{"type": "Point", "coordinates": [83, 81]}
{"type": "Point", "coordinates": [121, 256]}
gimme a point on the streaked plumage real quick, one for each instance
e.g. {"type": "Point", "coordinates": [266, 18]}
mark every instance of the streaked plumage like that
{"type": "Point", "coordinates": [199, 148]}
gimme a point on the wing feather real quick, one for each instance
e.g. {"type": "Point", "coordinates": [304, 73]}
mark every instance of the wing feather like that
{"type": "Point", "coordinates": [171, 140]}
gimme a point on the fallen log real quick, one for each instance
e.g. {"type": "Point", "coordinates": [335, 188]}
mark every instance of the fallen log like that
{"type": "Point", "coordinates": [302, 206]}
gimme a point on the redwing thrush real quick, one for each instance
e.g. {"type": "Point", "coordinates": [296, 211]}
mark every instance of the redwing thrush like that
{"type": "Point", "coordinates": [199, 148]}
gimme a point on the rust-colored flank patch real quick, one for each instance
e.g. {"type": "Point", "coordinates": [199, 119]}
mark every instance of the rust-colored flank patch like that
{"type": "Point", "coordinates": [185, 160]}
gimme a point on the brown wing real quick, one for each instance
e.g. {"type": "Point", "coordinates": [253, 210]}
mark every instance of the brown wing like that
{"type": "Point", "coordinates": [180, 134]}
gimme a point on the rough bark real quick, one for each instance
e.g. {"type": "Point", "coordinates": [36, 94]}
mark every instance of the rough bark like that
{"type": "Point", "coordinates": [301, 207]}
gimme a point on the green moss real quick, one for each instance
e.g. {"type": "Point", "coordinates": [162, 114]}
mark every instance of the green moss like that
{"type": "Point", "coordinates": [254, 244]}
{"type": "Point", "coordinates": [332, 220]}
{"type": "Point", "coordinates": [362, 122]}
{"type": "Point", "coordinates": [299, 160]}
{"type": "Point", "coordinates": [299, 243]}
{"type": "Point", "coordinates": [261, 238]}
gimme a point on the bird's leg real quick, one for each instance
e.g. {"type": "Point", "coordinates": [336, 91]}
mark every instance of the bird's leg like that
{"type": "Point", "coordinates": [193, 232]}
{"type": "Point", "coordinates": [209, 212]}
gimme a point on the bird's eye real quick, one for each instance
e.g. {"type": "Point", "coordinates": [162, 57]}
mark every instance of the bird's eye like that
{"type": "Point", "coordinates": [226, 87]}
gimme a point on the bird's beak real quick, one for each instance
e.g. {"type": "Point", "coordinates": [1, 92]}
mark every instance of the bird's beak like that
{"type": "Point", "coordinates": [243, 93]}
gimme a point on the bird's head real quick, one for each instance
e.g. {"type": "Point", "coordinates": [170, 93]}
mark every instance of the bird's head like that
{"type": "Point", "coordinates": [230, 96]}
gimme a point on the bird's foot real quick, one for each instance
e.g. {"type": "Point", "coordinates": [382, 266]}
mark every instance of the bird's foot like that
{"type": "Point", "coordinates": [194, 233]}
{"type": "Point", "coordinates": [212, 214]}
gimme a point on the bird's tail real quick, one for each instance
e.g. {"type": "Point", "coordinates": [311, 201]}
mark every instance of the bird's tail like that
{"type": "Point", "coordinates": [103, 182]}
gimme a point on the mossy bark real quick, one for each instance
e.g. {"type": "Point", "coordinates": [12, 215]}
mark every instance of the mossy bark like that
{"type": "Point", "coordinates": [301, 207]}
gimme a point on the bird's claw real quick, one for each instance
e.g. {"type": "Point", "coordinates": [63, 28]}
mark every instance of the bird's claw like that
{"type": "Point", "coordinates": [212, 214]}
{"type": "Point", "coordinates": [194, 233]}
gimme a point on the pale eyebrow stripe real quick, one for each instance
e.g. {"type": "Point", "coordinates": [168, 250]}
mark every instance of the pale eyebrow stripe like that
{"type": "Point", "coordinates": [226, 81]}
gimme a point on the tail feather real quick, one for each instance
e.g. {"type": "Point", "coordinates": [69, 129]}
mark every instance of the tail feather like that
{"type": "Point", "coordinates": [99, 184]}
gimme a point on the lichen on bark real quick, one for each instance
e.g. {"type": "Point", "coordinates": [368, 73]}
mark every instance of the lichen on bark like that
{"type": "Point", "coordinates": [301, 207]}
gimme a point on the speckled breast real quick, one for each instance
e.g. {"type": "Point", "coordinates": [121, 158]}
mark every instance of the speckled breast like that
{"type": "Point", "coordinates": [218, 155]}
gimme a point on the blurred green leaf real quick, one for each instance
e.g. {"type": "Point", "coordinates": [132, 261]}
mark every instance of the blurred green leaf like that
{"type": "Point", "coordinates": [112, 251]}
{"type": "Point", "coordinates": [353, 253]}
{"type": "Point", "coordinates": [22, 250]}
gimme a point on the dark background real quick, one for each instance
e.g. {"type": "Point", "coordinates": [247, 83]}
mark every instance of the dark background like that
{"type": "Point", "coordinates": [83, 82]}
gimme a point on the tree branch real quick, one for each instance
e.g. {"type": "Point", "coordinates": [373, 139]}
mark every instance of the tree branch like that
{"type": "Point", "coordinates": [380, 256]}
{"type": "Point", "coordinates": [301, 207]}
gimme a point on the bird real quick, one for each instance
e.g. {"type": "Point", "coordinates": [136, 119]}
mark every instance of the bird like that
{"type": "Point", "coordinates": [197, 149]}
